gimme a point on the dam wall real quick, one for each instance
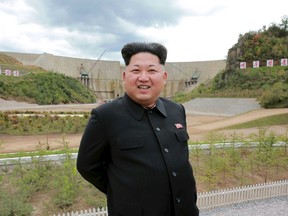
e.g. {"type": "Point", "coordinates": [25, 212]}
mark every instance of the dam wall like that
{"type": "Point", "coordinates": [105, 77]}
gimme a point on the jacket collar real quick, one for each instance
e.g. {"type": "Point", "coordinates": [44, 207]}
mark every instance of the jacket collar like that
{"type": "Point", "coordinates": [137, 111]}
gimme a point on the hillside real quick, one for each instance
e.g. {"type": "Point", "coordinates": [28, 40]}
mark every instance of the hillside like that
{"type": "Point", "coordinates": [269, 84]}
{"type": "Point", "coordinates": [35, 85]}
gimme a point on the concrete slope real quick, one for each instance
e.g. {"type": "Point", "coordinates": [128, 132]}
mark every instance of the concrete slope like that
{"type": "Point", "coordinates": [221, 106]}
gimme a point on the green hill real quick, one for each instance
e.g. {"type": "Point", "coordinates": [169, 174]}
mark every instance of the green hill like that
{"type": "Point", "coordinates": [268, 84]}
{"type": "Point", "coordinates": [36, 85]}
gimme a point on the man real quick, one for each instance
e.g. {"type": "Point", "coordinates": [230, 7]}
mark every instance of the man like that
{"type": "Point", "coordinates": [134, 149]}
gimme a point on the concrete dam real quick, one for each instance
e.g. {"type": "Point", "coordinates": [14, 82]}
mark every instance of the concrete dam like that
{"type": "Point", "coordinates": [105, 77]}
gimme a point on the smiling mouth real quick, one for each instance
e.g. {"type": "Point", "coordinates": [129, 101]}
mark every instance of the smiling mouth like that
{"type": "Point", "coordinates": [143, 87]}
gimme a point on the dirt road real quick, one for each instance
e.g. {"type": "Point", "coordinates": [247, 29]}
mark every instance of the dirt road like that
{"type": "Point", "coordinates": [199, 126]}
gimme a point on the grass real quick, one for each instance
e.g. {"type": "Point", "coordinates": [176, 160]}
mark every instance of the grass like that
{"type": "Point", "coordinates": [281, 119]}
{"type": "Point", "coordinates": [42, 123]}
{"type": "Point", "coordinates": [37, 153]}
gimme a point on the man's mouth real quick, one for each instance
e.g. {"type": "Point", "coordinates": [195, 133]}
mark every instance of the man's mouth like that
{"type": "Point", "coordinates": [143, 87]}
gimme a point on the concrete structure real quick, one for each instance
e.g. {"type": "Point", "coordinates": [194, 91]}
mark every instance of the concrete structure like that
{"type": "Point", "coordinates": [104, 77]}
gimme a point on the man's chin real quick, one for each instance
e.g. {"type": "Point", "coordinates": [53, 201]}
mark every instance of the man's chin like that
{"type": "Point", "coordinates": [144, 100]}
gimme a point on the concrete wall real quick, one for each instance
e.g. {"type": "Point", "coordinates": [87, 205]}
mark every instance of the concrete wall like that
{"type": "Point", "coordinates": [104, 77]}
{"type": "Point", "coordinates": [183, 71]}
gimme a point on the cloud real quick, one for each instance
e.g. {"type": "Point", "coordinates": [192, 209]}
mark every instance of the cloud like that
{"type": "Point", "coordinates": [191, 30]}
{"type": "Point", "coordinates": [87, 27]}
{"type": "Point", "coordinates": [105, 14]}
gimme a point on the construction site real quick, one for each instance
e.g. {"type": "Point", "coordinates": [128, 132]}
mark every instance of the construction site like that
{"type": "Point", "coordinates": [104, 78]}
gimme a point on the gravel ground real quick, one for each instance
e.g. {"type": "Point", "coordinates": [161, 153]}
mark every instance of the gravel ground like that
{"type": "Point", "coordinates": [277, 206]}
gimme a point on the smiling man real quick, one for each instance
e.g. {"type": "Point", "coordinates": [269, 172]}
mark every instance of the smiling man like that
{"type": "Point", "coordinates": [134, 149]}
{"type": "Point", "coordinates": [145, 76]}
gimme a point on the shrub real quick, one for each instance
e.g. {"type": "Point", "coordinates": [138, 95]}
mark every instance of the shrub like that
{"type": "Point", "coordinates": [277, 96]}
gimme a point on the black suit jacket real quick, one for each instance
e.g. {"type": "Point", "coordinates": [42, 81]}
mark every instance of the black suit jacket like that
{"type": "Point", "coordinates": [139, 158]}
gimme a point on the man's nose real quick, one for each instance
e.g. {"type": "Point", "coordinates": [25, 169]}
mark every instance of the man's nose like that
{"type": "Point", "coordinates": [143, 76]}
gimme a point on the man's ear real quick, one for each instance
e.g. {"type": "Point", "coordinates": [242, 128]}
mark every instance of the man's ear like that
{"type": "Point", "coordinates": [165, 75]}
{"type": "Point", "coordinates": [123, 76]}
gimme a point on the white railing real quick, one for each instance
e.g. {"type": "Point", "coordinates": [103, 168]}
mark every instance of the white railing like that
{"type": "Point", "coordinates": [87, 212]}
{"type": "Point", "coordinates": [59, 157]}
{"type": "Point", "coordinates": [217, 198]}
{"type": "Point", "coordinates": [223, 197]}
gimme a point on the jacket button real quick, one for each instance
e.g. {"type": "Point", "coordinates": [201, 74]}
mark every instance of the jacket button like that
{"type": "Point", "coordinates": [178, 200]}
{"type": "Point", "coordinates": [166, 150]}
{"type": "Point", "coordinates": [174, 174]}
{"type": "Point", "coordinates": [157, 128]}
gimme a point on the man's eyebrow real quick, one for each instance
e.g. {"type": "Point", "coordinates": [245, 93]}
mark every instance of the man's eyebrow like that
{"type": "Point", "coordinates": [151, 65]}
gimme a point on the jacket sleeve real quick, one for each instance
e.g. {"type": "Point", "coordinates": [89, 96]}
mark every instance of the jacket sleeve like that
{"type": "Point", "coordinates": [93, 153]}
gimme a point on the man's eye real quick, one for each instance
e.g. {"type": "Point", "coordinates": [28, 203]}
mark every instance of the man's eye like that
{"type": "Point", "coordinates": [152, 71]}
{"type": "Point", "coordinates": [135, 71]}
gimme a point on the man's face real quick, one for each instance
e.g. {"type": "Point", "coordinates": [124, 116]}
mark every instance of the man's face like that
{"type": "Point", "coordinates": [144, 78]}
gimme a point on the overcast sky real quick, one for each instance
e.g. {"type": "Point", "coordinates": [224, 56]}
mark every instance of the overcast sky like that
{"type": "Point", "coordinates": [191, 30]}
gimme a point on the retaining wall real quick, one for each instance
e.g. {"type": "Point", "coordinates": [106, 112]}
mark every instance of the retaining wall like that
{"type": "Point", "coordinates": [105, 77]}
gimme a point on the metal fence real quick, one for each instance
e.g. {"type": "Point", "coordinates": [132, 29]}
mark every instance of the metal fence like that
{"type": "Point", "coordinates": [212, 199]}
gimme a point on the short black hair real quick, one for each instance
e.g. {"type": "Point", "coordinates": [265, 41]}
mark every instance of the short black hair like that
{"type": "Point", "coordinates": [133, 48]}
